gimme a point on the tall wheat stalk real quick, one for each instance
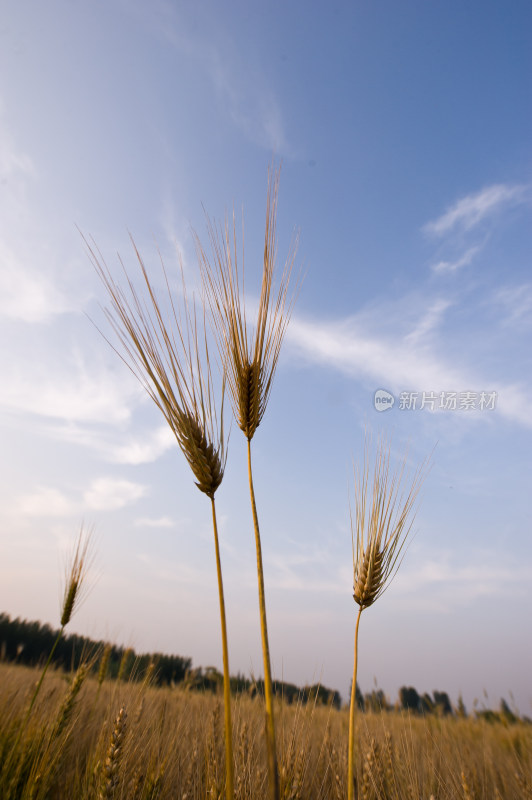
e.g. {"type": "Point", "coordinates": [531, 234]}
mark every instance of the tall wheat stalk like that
{"type": "Point", "coordinates": [384, 515]}
{"type": "Point", "coordinates": [168, 353]}
{"type": "Point", "coordinates": [250, 355]}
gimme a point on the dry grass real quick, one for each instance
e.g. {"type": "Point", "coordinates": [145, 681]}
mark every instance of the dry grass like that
{"type": "Point", "coordinates": [171, 747]}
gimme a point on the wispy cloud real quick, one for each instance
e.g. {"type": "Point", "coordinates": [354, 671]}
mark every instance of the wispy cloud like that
{"type": "Point", "coordinates": [428, 322]}
{"type": "Point", "coordinates": [469, 211]}
{"type": "Point", "coordinates": [446, 584]}
{"type": "Point", "coordinates": [26, 293]}
{"type": "Point", "coordinates": [15, 165]}
{"type": "Point", "coordinates": [358, 352]}
{"type": "Point", "coordinates": [316, 573]}
{"type": "Point", "coordinates": [109, 494]}
{"type": "Point", "coordinates": [37, 279]}
{"type": "Point", "coordinates": [401, 357]}
{"type": "Point", "coordinates": [517, 303]}
{"type": "Point", "coordinates": [240, 85]}
{"type": "Point", "coordinates": [456, 264]}
{"type": "Point", "coordinates": [176, 572]}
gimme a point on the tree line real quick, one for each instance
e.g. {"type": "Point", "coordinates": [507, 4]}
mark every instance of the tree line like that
{"type": "Point", "coordinates": [29, 643]}
{"type": "Point", "coordinates": [438, 703]}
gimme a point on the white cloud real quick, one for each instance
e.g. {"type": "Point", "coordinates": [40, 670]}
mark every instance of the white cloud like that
{"type": "Point", "coordinates": [24, 294]}
{"type": "Point", "coordinates": [463, 261]}
{"type": "Point", "coordinates": [469, 211]}
{"type": "Point", "coordinates": [122, 447]}
{"type": "Point", "coordinates": [159, 522]}
{"type": "Point", "coordinates": [109, 494]}
{"type": "Point", "coordinates": [45, 502]}
{"type": "Point", "coordinates": [103, 494]}
{"type": "Point", "coordinates": [144, 450]}
{"type": "Point", "coordinates": [69, 389]}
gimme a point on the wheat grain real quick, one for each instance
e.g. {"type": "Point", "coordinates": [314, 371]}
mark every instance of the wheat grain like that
{"type": "Point", "coordinates": [110, 777]}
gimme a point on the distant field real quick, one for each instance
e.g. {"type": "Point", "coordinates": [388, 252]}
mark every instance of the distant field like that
{"type": "Point", "coordinates": [168, 743]}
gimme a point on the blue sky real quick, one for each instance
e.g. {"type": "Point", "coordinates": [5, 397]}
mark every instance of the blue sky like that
{"type": "Point", "coordinates": [404, 132]}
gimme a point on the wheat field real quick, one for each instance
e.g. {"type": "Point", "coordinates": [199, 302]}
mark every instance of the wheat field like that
{"type": "Point", "coordinates": [110, 739]}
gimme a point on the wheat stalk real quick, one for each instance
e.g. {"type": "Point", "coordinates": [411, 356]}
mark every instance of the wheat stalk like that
{"type": "Point", "coordinates": [74, 591]}
{"type": "Point", "coordinates": [170, 357]}
{"type": "Point", "coordinates": [384, 515]}
{"type": "Point", "coordinates": [250, 355]}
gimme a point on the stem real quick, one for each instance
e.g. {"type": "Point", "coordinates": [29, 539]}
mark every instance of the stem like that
{"type": "Point", "coordinates": [229, 768]}
{"type": "Point", "coordinates": [352, 707]}
{"type": "Point", "coordinates": [268, 690]}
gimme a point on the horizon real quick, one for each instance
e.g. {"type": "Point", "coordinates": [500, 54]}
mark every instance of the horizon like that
{"type": "Point", "coordinates": [391, 703]}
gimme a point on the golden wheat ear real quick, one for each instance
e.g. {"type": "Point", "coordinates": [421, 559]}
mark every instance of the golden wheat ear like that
{"type": "Point", "coordinates": [161, 342]}
{"type": "Point", "coordinates": [76, 575]}
{"type": "Point", "coordinates": [368, 578]}
{"type": "Point", "coordinates": [250, 353]}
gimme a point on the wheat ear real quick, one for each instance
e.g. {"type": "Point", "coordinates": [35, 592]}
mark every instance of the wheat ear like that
{"type": "Point", "coordinates": [114, 754]}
